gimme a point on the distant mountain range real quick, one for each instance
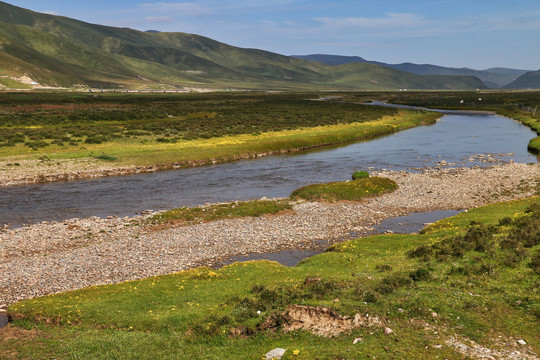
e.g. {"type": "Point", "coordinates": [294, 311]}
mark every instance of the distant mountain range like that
{"type": "Point", "coordinates": [41, 50]}
{"type": "Point", "coordinates": [492, 78]}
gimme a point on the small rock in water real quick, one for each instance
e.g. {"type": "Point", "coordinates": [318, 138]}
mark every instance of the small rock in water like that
{"type": "Point", "coordinates": [277, 353]}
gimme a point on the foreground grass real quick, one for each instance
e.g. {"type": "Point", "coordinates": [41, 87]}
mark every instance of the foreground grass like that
{"type": "Point", "coordinates": [486, 291]}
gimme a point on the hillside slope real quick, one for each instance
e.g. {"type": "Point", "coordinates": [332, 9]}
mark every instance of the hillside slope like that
{"type": "Point", "coordinates": [530, 80]}
{"type": "Point", "coordinates": [62, 52]}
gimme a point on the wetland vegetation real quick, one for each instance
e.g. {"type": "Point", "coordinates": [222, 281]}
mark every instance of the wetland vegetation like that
{"type": "Point", "coordinates": [154, 129]}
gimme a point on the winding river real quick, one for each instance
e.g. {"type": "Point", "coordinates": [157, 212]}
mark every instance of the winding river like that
{"type": "Point", "coordinates": [455, 138]}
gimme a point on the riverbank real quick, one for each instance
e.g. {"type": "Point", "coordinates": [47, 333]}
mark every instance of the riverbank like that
{"type": "Point", "coordinates": [529, 120]}
{"type": "Point", "coordinates": [134, 157]}
{"type": "Point", "coordinates": [52, 257]}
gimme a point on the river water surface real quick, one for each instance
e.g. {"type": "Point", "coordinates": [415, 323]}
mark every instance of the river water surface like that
{"type": "Point", "coordinates": [454, 138]}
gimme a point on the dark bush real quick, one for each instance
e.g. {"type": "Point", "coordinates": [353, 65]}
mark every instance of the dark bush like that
{"type": "Point", "coordinates": [420, 274]}
{"type": "Point", "coordinates": [480, 237]}
{"type": "Point", "coordinates": [36, 144]}
{"type": "Point", "coordinates": [393, 282]}
{"type": "Point", "coordinates": [512, 257]}
{"type": "Point", "coordinates": [383, 267]}
{"type": "Point", "coordinates": [423, 252]}
{"type": "Point", "coordinates": [106, 157]}
{"type": "Point", "coordinates": [371, 297]}
{"type": "Point", "coordinates": [95, 139]}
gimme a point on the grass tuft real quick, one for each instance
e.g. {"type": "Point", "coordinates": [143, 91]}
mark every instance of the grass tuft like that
{"type": "Point", "coordinates": [347, 190]}
{"type": "Point", "coordinates": [237, 209]}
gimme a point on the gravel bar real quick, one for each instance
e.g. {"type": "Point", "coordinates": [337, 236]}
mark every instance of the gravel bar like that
{"type": "Point", "coordinates": [52, 257]}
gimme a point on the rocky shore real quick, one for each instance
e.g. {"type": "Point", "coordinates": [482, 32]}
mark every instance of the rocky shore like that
{"type": "Point", "coordinates": [51, 257]}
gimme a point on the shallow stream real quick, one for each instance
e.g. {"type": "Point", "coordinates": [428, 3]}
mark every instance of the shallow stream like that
{"type": "Point", "coordinates": [455, 139]}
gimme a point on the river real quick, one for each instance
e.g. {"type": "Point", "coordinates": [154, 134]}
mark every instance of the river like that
{"type": "Point", "coordinates": [454, 138]}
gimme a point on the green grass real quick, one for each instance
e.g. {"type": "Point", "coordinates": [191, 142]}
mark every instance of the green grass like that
{"type": "Point", "coordinates": [477, 294]}
{"type": "Point", "coordinates": [354, 190]}
{"type": "Point", "coordinates": [185, 129]}
{"type": "Point", "coordinates": [360, 175]}
{"type": "Point", "coordinates": [237, 209]}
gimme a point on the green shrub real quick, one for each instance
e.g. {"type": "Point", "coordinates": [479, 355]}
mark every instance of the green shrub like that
{"type": "Point", "coordinates": [36, 144]}
{"type": "Point", "coordinates": [371, 297]}
{"type": "Point", "coordinates": [420, 274]}
{"type": "Point", "coordinates": [106, 157]}
{"type": "Point", "coordinates": [393, 282]}
{"type": "Point", "coordinates": [96, 139]}
{"type": "Point", "coordinates": [383, 267]}
{"type": "Point", "coordinates": [423, 252]}
{"type": "Point", "coordinates": [360, 175]}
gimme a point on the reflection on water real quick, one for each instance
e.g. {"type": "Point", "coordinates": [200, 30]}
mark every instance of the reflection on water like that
{"type": "Point", "coordinates": [454, 139]}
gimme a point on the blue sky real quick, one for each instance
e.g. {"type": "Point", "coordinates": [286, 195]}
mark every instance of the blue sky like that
{"type": "Point", "coordinates": [459, 33]}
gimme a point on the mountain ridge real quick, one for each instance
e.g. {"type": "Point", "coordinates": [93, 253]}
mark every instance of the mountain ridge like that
{"type": "Point", "coordinates": [58, 51]}
{"type": "Point", "coordinates": [496, 77]}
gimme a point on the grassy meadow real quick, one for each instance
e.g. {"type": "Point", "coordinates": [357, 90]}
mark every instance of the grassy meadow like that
{"type": "Point", "coordinates": [159, 129]}
{"type": "Point", "coordinates": [470, 277]}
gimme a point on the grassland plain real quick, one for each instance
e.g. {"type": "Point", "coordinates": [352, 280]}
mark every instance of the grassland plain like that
{"type": "Point", "coordinates": [522, 106]}
{"type": "Point", "coordinates": [467, 286]}
{"type": "Point", "coordinates": [69, 136]}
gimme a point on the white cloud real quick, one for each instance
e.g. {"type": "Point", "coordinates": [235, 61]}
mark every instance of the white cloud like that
{"type": "Point", "coordinates": [179, 8]}
{"type": "Point", "coordinates": [50, 12]}
{"type": "Point", "coordinates": [159, 19]}
{"type": "Point", "coordinates": [392, 20]}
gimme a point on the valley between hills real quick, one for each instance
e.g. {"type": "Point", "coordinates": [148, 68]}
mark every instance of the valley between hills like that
{"type": "Point", "coordinates": [169, 196]}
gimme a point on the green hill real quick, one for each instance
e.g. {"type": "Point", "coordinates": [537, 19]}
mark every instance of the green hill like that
{"type": "Point", "coordinates": [530, 80]}
{"type": "Point", "coordinates": [62, 52]}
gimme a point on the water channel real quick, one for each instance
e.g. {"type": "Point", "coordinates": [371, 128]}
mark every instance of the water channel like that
{"type": "Point", "coordinates": [454, 138]}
